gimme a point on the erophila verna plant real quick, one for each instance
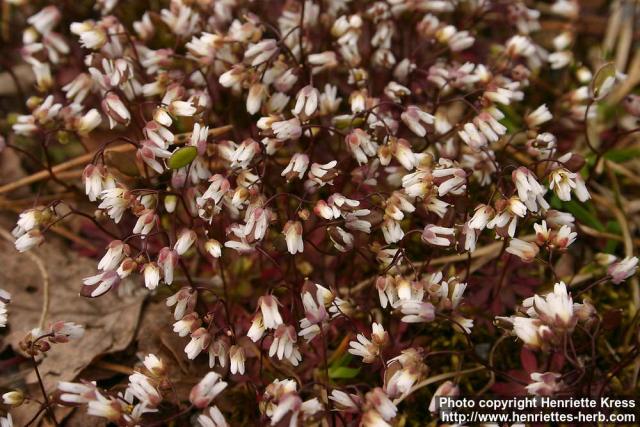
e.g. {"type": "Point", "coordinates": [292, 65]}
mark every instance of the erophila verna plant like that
{"type": "Point", "coordinates": [348, 206]}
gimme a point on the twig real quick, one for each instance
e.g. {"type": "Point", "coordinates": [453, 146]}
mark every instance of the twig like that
{"type": "Point", "coordinates": [85, 158]}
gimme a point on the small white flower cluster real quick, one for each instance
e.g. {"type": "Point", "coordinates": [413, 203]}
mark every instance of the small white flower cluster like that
{"type": "Point", "coordinates": [286, 150]}
{"type": "Point", "coordinates": [548, 318]}
{"type": "Point", "coordinates": [143, 395]}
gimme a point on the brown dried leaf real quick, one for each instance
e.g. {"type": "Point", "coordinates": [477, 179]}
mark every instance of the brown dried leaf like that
{"type": "Point", "coordinates": [110, 321]}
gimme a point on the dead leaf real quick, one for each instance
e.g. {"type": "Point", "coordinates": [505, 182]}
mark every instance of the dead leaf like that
{"type": "Point", "coordinates": [110, 320]}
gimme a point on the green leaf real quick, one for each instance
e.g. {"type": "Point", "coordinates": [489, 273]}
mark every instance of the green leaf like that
{"type": "Point", "coordinates": [511, 119]}
{"type": "Point", "coordinates": [343, 372]}
{"type": "Point", "coordinates": [622, 155]}
{"type": "Point", "coordinates": [182, 157]}
{"type": "Point", "coordinates": [614, 228]}
{"type": "Point", "coordinates": [583, 215]}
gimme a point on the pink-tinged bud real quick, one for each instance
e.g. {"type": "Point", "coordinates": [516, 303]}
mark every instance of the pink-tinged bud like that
{"type": "Point", "coordinates": [115, 110]}
{"type": "Point", "coordinates": [167, 260]}
{"type": "Point", "coordinates": [622, 270]}
{"type": "Point", "coordinates": [184, 300]}
{"type": "Point", "coordinates": [206, 390]}
{"type": "Point", "coordinates": [127, 267]}
{"type": "Point", "coordinates": [65, 331]}
{"type": "Point", "coordinates": [146, 222]}
{"type": "Point", "coordinates": [188, 324]}
{"type": "Point", "coordinates": [186, 238]}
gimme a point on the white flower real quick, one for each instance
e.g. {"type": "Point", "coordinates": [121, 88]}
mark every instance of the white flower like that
{"type": "Point", "coordinates": [29, 240]}
{"type": "Point", "coordinates": [237, 358]}
{"type": "Point", "coordinates": [416, 119]}
{"type": "Point", "coordinates": [206, 390]}
{"type": "Point", "coordinates": [184, 300]}
{"type": "Point", "coordinates": [287, 129]}
{"type": "Point", "coordinates": [446, 389]}
{"type": "Point", "coordinates": [116, 201]}
{"type": "Point", "coordinates": [284, 344]}
{"type": "Point", "coordinates": [151, 273]}
{"type": "Point", "coordinates": [538, 116]}
{"type": "Point", "coordinates": [260, 52]}
{"type": "Point", "coordinates": [562, 182]}
{"type": "Point", "coordinates": [364, 348]}
{"type": "Point", "coordinates": [345, 402]}
{"type": "Point", "coordinates": [115, 110]}
{"type": "Point", "coordinates": [145, 223]}
{"type": "Point", "coordinates": [212, 417]}
{"type": "Point", "coordinates": [186, 238]}
{"type": "Point", "coordinates": [438, 236]}
{"type": "Point", "coordinates": [529, 190]}
{"type": "Point", "coordinates": [379, 400]}
{"type": "Point", "coordinates": [213, 248]}
{"type": "Point", "coordinates": [116, 251]}
{"type": "Point", "coordinates": [293, 235]}
{"type": "Point", "coordinates": [531, 331]}
{"type": "Point", "coordinates": [257, 329]}
{"type": "Point", "coordinates": [88, 122]}
{"type": "Point", "coordinates": [45, 20]}
{"type": "Point", "coordinates": [154, 365]}
{"type": "Point", "coordinates": [182, 108]}
{"type": "Point", "coordinates": [200, 340]}
{"type": "Point", "coordinates": [270, 315]}
{"type": "Point", "coordinates": [544, 384]}
{"type": "Point", "coordinates": [524, 250]}
{"type": "Point", "coordinates": [76, 392]}
{"type": "Point", "coordinates": [167, 260]}
{"type": "Point", "coordinates": [297, 166]}
{"type": "Point", "coordinates": [143, 390]}
{"type": "Point", "coordinates": [104, 281]}
{"type": "Point", "coordinates": [416, 311]}
{"type": "Point", "coordinates": [13, 398]}
{"type": "Point", "coordinates": [189, 323]}
{"type": "Point", "coordinates": [306, 101]}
